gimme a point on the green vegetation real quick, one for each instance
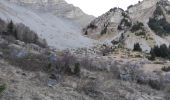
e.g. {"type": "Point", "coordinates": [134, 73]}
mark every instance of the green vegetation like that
{"type": "Point", "coordinates": [152, 53]}
{"type": "Point", "coordinates": [159, 26]}
{"type": "Point", "coordinates": [77, 69]}
{"type": "Point", "coordinates": [155, 84]}
{"type": "Point", "coordinates": [86, 33]}
{"type": "Point", "coordinates": [20, 32]}
{"type": "Point", "coordinates": [158, 11]}
{"type": "Point", "coordinates": [104, 31]}
{"type": "Point", "coordinates": [2, 88]}
{"type": "Point", "coordinates": [140, 33]}
{"type": "Point", "coordinates": [137, 26]}
{"type": "Point", "coordinates": [125, 23]}
{"type": "Point", "coordinates": [166, 69]}
{"type": "Point", "coordinates": [124, 15]}
{"type": "Point", "coordinates": [137, 47]}
{"type": "Point", "coordinates": [11, 30]}
{"type": "Point", "coordinates": [92, 26]}
{"type": "Point", "coordinates": [163, 51]}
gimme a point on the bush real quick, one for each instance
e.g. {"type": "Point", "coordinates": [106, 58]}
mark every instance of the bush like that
{"type": "Point", "coordinates": [66, 64]}
{"type": "Point", "coordinates": [104, 31]}
{"type": "Point", "coordinates": [125, 23]}
{"type": "Point", "coordinates": [137, 47]}
{"type": "Point", "coordinates": [124, 15]}
{"type": "Point", "coordinates": [155, 84]}
{"type": "Point", "coordinates": [2, 88]}
{"type": "Point", "coordinates": [77, 69]}
{"type": "Point", "coordinates": [158, 11]}
{"type": "Point", "coordinates": [21, 32]}
{"type": "Point", "coordinates": [92, 26]}
{"type": "Point", "coordinates": [162, 51]}
{"type": "Point", "coordinates": [107, 50]}
{"type": "Point", "coordinates": [86, 33]}
{"type": "Point", "coordinates": [152, 57]}
{"type": "Point", "coordinates": [159, 26]}
{"type": "Point", "coordinates": [140, 33]}
{"type": "Point", "coordinates": [91, 88]}
{"type": "Point", "coordinates": [137, 26]}
{"type": "Point", "coordinates": [30, 62]}
{"type": "Point", "coordinates": [166, 69]}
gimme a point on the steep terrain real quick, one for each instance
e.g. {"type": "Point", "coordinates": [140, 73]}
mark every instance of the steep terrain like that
{"type": "Point", "coordinates": [30, 70]}
{"type": "Point", "coordinates": [140, 23]}
{"type": "Point", "coordinates": [57, 7]}
{"type": "Point", "coordinates": [60, 32]}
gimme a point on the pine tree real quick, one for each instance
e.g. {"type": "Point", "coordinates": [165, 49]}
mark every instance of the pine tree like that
{"type": "Point", "coordinates": [152, 54]}
{"type": "Point", "coordinates": [137, 47]}
{"type": "Point", "coordinates": [77, 69]}
{"type": "Point", "coordinates": [10, 27]}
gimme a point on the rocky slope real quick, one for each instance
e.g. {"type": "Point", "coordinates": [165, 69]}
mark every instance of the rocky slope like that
{"type": "Point", "coordinates": [136, 25]}
{"type": "Point", "coordinates": [60, 32]}
{"type": "Point", "coordinates": [25, 85]}
{"type": "Point", "coordinates": [57, 7]}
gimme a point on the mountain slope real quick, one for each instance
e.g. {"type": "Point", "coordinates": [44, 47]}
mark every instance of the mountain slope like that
{"type": "Point", "coordinates": [60, 33]}
{"type": "Point", "coordinates": [57, 7]}
{"type": "Point", "coordinates": [136, 25]}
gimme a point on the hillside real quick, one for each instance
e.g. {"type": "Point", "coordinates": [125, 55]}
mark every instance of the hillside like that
{"type": "Point", "coordinates": [138, 24]}
{"type": "Point", "coordinates": [58, 8]}
{"type": "Point", "coordinates": [60, 33]}
{"type": "Point", "coordinates": [46, 54]}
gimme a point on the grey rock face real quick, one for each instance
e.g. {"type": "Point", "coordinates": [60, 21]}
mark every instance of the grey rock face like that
{"type": "Point", "coordinates": [59, 8]}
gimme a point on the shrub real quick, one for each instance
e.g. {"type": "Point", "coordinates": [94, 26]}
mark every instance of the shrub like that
{"type": "Point", "coordinates": [21, 32]}
{"type": "Point", "coordinates": [124, 15]}
{"type": "Point", "coordinates": [158, 11]}
{"type": "Point", "coordinates": [125, 23]}
{"type": "Point", "coordinates": [107, 50]}
{"type": "Point", "coordinates": [155, 84]}
{"type": "Point", "coordinates": [166, 69]}
{"type": "Point", "coordinates": [10, 27]}
{"type": "Point", "coordinates": [152, 57]}
{"type": "Point", "coordinates": [162, 51]}
{"type": "Point", "coordinates": [30, 62]}
{"type": "Point", "coordinates": [137, 26]}
{"type": "Point", "coordinates": [65, 63]}
{"type": "Point", "coordinates": [48, 68]}
{"type": "Point", "coordinates": [91, 88]}
{"type": "Point", "coordinates": [104, 31]}
{"type": "Point", "coordinates": [140, 33]}
{"type": "Point", "coordinates": [77, 69]}
{"type": "Point", "coordinates": [2, 88]}
{"type": "Point", "coordinates": [137, 47]}
{"type": "Point", "coordinates": [159, 26]}
{"type": "Point", "coordinates": [86, 33]}
{"type": "Point", "coordinates": [92, 26]}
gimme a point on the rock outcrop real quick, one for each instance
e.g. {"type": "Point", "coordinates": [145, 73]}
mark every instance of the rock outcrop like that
{"type": "Point", "coordinates": [136, 25]}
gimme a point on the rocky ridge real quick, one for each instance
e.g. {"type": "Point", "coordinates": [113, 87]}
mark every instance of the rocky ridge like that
{"type": "Point", "coordinates": [115, 23]}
